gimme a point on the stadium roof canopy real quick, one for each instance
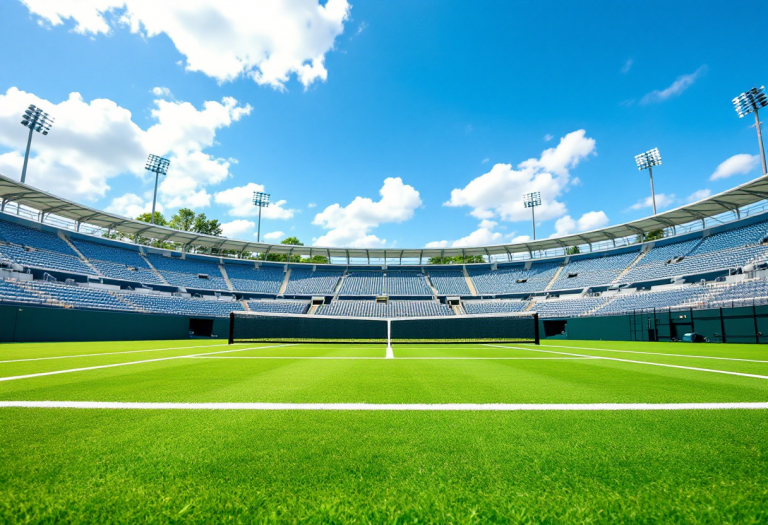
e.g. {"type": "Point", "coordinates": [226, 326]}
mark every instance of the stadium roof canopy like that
{"type": "Point", "coordinates": [47, 203]}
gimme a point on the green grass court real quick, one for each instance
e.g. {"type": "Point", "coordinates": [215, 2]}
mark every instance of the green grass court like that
{"type": "Point", "coordinates": [311, 462]}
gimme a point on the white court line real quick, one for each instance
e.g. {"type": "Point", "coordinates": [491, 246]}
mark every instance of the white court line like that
{"type": "Point", "coordinates": [107, 353]}
{"type": "Point", "coordinates": [756, 376]}
{"type": "Point", "coordinates": [83, 369]}
{"type": "Point", "coordinates": [438, 407]}
{"type": "Point", "coordinates": [657, 353]}
{"type": "Point", "coordinates": [380, 358]}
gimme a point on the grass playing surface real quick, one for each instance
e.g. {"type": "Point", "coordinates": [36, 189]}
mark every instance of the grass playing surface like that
{"type": "Point", "coordinates": [337, 466]}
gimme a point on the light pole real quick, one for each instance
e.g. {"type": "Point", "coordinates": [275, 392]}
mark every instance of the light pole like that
{"type": "Point", "coordinates": [648, 160]}
{"type": "Point", "coordinates": [749, 102]}
{"type": "Point", "coordinates": [531, 200]}
{"type": "Point", "coordinates": [38, 120]}
{"type": "Point", "coordinates": [262, 201]}
{"type": "Point", "coordinates": [159, 166]}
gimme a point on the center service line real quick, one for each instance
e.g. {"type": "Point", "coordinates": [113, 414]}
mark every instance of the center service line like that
{"type": "Point", "coordinates": [756, 376]}
{"type": "Point", "coordinates": [439, 407]}
{"type": "Point", "coordinates": [83, 369]}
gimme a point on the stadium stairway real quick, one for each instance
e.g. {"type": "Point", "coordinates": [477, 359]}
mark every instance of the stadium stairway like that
{"type": "Point", "coordinates": [154, 270]}
{"type": "Point", "coordinates": [245, 305]}
{"type": "Point", "coordinates": [226, 278]}
{"type": "Point", "coordinates": [339, 285]}
{"type": "Point", "coordinates": [429, 283]}
{"type": "Point", "coordinates": [47, 299]}
{"type": "Point", "coordinates": [128, 305]}
{"type": "Point", "coordinates": [82, 257]}
{"type": "Point", "coordinates": [467, 278]}
{"type": "Point", "coordinates": [313, 309]}
{"type": "Point", "coordinates": [554, 277]}
{"type": "Point", "coordinates": [285, 282]}
{"type": "Point", "coordinates": [630, 266]}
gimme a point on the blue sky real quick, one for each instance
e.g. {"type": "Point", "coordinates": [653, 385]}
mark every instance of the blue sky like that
{"type": "Point", "coordinates": [396, 123]}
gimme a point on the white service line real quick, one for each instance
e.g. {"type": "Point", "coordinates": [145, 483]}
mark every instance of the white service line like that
{"type": "Point", "coordinates": [108, 353]}
{"type": "Point", "coordinates": [422, 407]}
{"type": "Point", "coordinates": [83, 369]}
{"type": "Point", "coordinates": [380, 358]}
{"type": "Point", "coordinates": [657, 353]}
{"type": "Point", "coordinates": [727, 372]}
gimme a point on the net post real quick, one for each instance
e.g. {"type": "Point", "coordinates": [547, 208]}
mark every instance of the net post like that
{"type": "Point", "coordinates": [536, 326]}
{"type": "Point", "coordinates": [231, 327]}
{"type": "Point", "coordinates": [390, 353]}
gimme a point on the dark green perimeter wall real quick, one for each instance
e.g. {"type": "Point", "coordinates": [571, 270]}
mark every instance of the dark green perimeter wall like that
{"type": "Point", "coordinates": [748, 324]}
{"type": "Point", "coordinates": [32, 324]}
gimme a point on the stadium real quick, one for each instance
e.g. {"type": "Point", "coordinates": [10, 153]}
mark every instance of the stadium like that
{"type": "Point", "coordinates": [152, 372]}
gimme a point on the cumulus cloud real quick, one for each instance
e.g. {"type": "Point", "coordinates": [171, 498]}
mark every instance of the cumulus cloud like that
{"type": "Point", "coordinates": [237, 228]}
{"type": "Point", "coordinates": [497, 194]}
{"type": "Point", "coordinates": [482, 236]}
{"type": "Point", "coordinates": [273, 236]}
{"type": "Point", "coordinates": [240, 203]}
{"type": "Point", "coordinates": [627, 66]}
{"type": "Point", "coordinates": [131, 205]}
{"type": "Point", "coordinates": [161, 92]}
{"type": "Point", "coordinates": [351, 225]}
{"type": "Point", "coordinates": [589, 221]}
{"type": "Point", "coordinates": [662, 201]}
{"type": "Point", "coordinates": [740, 164]}
{"type": "Point", "coordinates": [312, 205]}
{"type": "Point", "coordinates": [548, 137]}
{"type": "Point", "coordinates": [698, 195]}
{"type": "Point", "coordinates": [266, 40]}
{"type": "Point", "coordinates": [677, 87]}
{"type": "Point", "coordinates": [92, 142]}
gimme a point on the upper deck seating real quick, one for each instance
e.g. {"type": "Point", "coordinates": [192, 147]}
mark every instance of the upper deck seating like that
{"type": "Point", "coordinates": [304, 281]}
{"type": "Point", "coordinates": [279, 306]}
{"type": "Point", "coordinates": [496, 306]}
{"type": "Point", "coordinates": [406, 283]}
{"type": "Point", "coordinates": [184, 272]}
{"type": "Point", "coordinates": [247, 278]}
{"type": "Point", "coordinates": [583, 273]}
{"type": "Point", "coordinates": [513, 279]}
{"type": "Point", "coordinates": [449, 282]}
{"type": "Point", "coordinates": [363, 283]}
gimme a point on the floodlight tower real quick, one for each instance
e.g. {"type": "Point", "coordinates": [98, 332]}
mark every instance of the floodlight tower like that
{"type": "Point", "coordinates": [648, 160]}
{"type": "Point", "coordinates": [749, 102]}
{"type": "Point", "coordinates": [38, 120]}
{"type": "Point", "coordinates": [531, 200]}
{"type": "Point", "coordinates": [159, 166]}
{"type": "Point", "coordinates": [262, 201]}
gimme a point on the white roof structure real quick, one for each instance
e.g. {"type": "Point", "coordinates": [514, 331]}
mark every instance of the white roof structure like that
{"type": "Point", "coordinates": [731, 200]}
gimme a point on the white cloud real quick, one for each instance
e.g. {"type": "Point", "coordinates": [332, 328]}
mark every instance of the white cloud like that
{"type": "Point", "coordinates": [92, 142]}
{"type": "Point", "coordinates": [237, 228]}
{"type": "Point", "coordinates": [740, 164]}
{"type": "Point", "coordinates": [131, 205]}
{"type": "Point", "coordinates": [351, 225]}
{"type": "Point", "coordinates": [662, 201]}
{"type": "Point", "coordinates": [589, 221]}
{"type": "Point", "coordinates": [498, 193]}
{"type": "Point", "coordinates": [575, 181]}
{"type": "Point", "coordinates": [161, 92]}
{"type": "Point", "coordinates": [627, 66]}
{"type": "Point", "coordinates": [677, 87]}
{"type": "Point", "coordinates": [311, 205]}
{"type": "Point", "coordinates": [698, 195]}
{"type": "Point", "coordinates": [273, 236]}
{"type": "Point", "coordinates": [240, 203]}
{"type": "Point", "coordinates": [548, 137]}
{"type": "Point", "coordinates": [521, 238]}
{"type": "Point", "coordinates": [485, 160]}
{"type": "Point", "coordinates": [482, 236]}
{"type": "Point", "coordinates": [266, 40]}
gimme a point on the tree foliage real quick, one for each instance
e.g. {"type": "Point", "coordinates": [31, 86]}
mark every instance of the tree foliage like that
{"type": "Point", "coordinates": [457, 260]}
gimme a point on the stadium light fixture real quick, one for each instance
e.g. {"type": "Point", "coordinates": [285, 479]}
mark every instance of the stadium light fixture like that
{"type": "Point", "coordinates": [262, 201]}
{"type": "Point", "coordinates": [646, 161]}
{"type": "Point", "coordinates": [531, 200]}
{"type": "Point", "coordinates": [750, 102]}
{"type": "Point", "coordinates": [159, 166]}
{"type": "Point", "coordinates": [38, 120]}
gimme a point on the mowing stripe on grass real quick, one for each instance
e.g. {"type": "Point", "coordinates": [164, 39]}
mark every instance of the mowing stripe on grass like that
{"type": "Point", "coordinates": [658, 353]}
{"type": "Point", "coordinates": [756, 376]}
{"type": "Point", "coordinates": [108, 353]}
{"type": "Point", "coordinates": [83, 369]}
{"type": "Point", "coordinates": [439, 407]}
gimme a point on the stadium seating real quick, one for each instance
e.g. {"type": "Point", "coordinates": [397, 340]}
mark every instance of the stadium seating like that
{"type": "Point", "coordinates": [42, 240]}
{"type": "Point", "coordinates": [279, 306]}
{"type": "Point", "coordinates": [184, 272]}
{"type": "Point", "coordinates": [39, 258]}
{"type": "Point", "coordinates": [348, 308]}
{"type": "Point", "coordinates": [513, 279]}
{"type": "Point", "coordinates": [406, 283]}
{"type": "Point", "coordinates": [647, 300]}
{"type": "Point", "coordinates": [170, 304]}
{"type": "Point", "coordinates": [741, 293]}
{"type": "Point", "coordinates": [76, 296]}
{"type": "Point", "coordinates": [246, 278]}
{"type": "Point", "coordinates": [496, 306]}
{"type": "Point", "coordinates": [449, 282]}
{"type": "Point", "coordinates": [583, 273]}
{"type": "Point", "coordinates": [567, 307]}
{"type": "Point", "coordinates": [12, 292]}
{"type": "Point", "coordinates": [363, 283]}
{"type": "Point", "coordinates": [304, 281]}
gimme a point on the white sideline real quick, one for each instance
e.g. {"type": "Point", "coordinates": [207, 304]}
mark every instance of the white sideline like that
{"type": "Point", "coordinates": [83, 369]}
{"type": "Point", "coordinates": [658, 353]}
{"type": "Point", "coordinates": [107, 353]}
{"type": "Point", "coordinates": [727, 372]}
{"type": "Point", "coordinates": [380, 358]}
{"type": "Point", "coordinates": [438, 407]}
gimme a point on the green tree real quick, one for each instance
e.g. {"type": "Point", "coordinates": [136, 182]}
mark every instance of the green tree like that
{"type": "Point", "coordinates": [457, 260]}
{"type": "Point", "coordinates": [316, 259]}
{"type": "Point", "coordinates": [184, 220]}
{"type": "Point", "coordinates": [205, 226]}
{"type": "Point", "coordinates": [147, 217]}
{"type": "Point", "coordinates": [572, 250]}
{"type": "Point", "coordinates": [281, 257]}
{"type": "Point", "coordinates": [652, 235]}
